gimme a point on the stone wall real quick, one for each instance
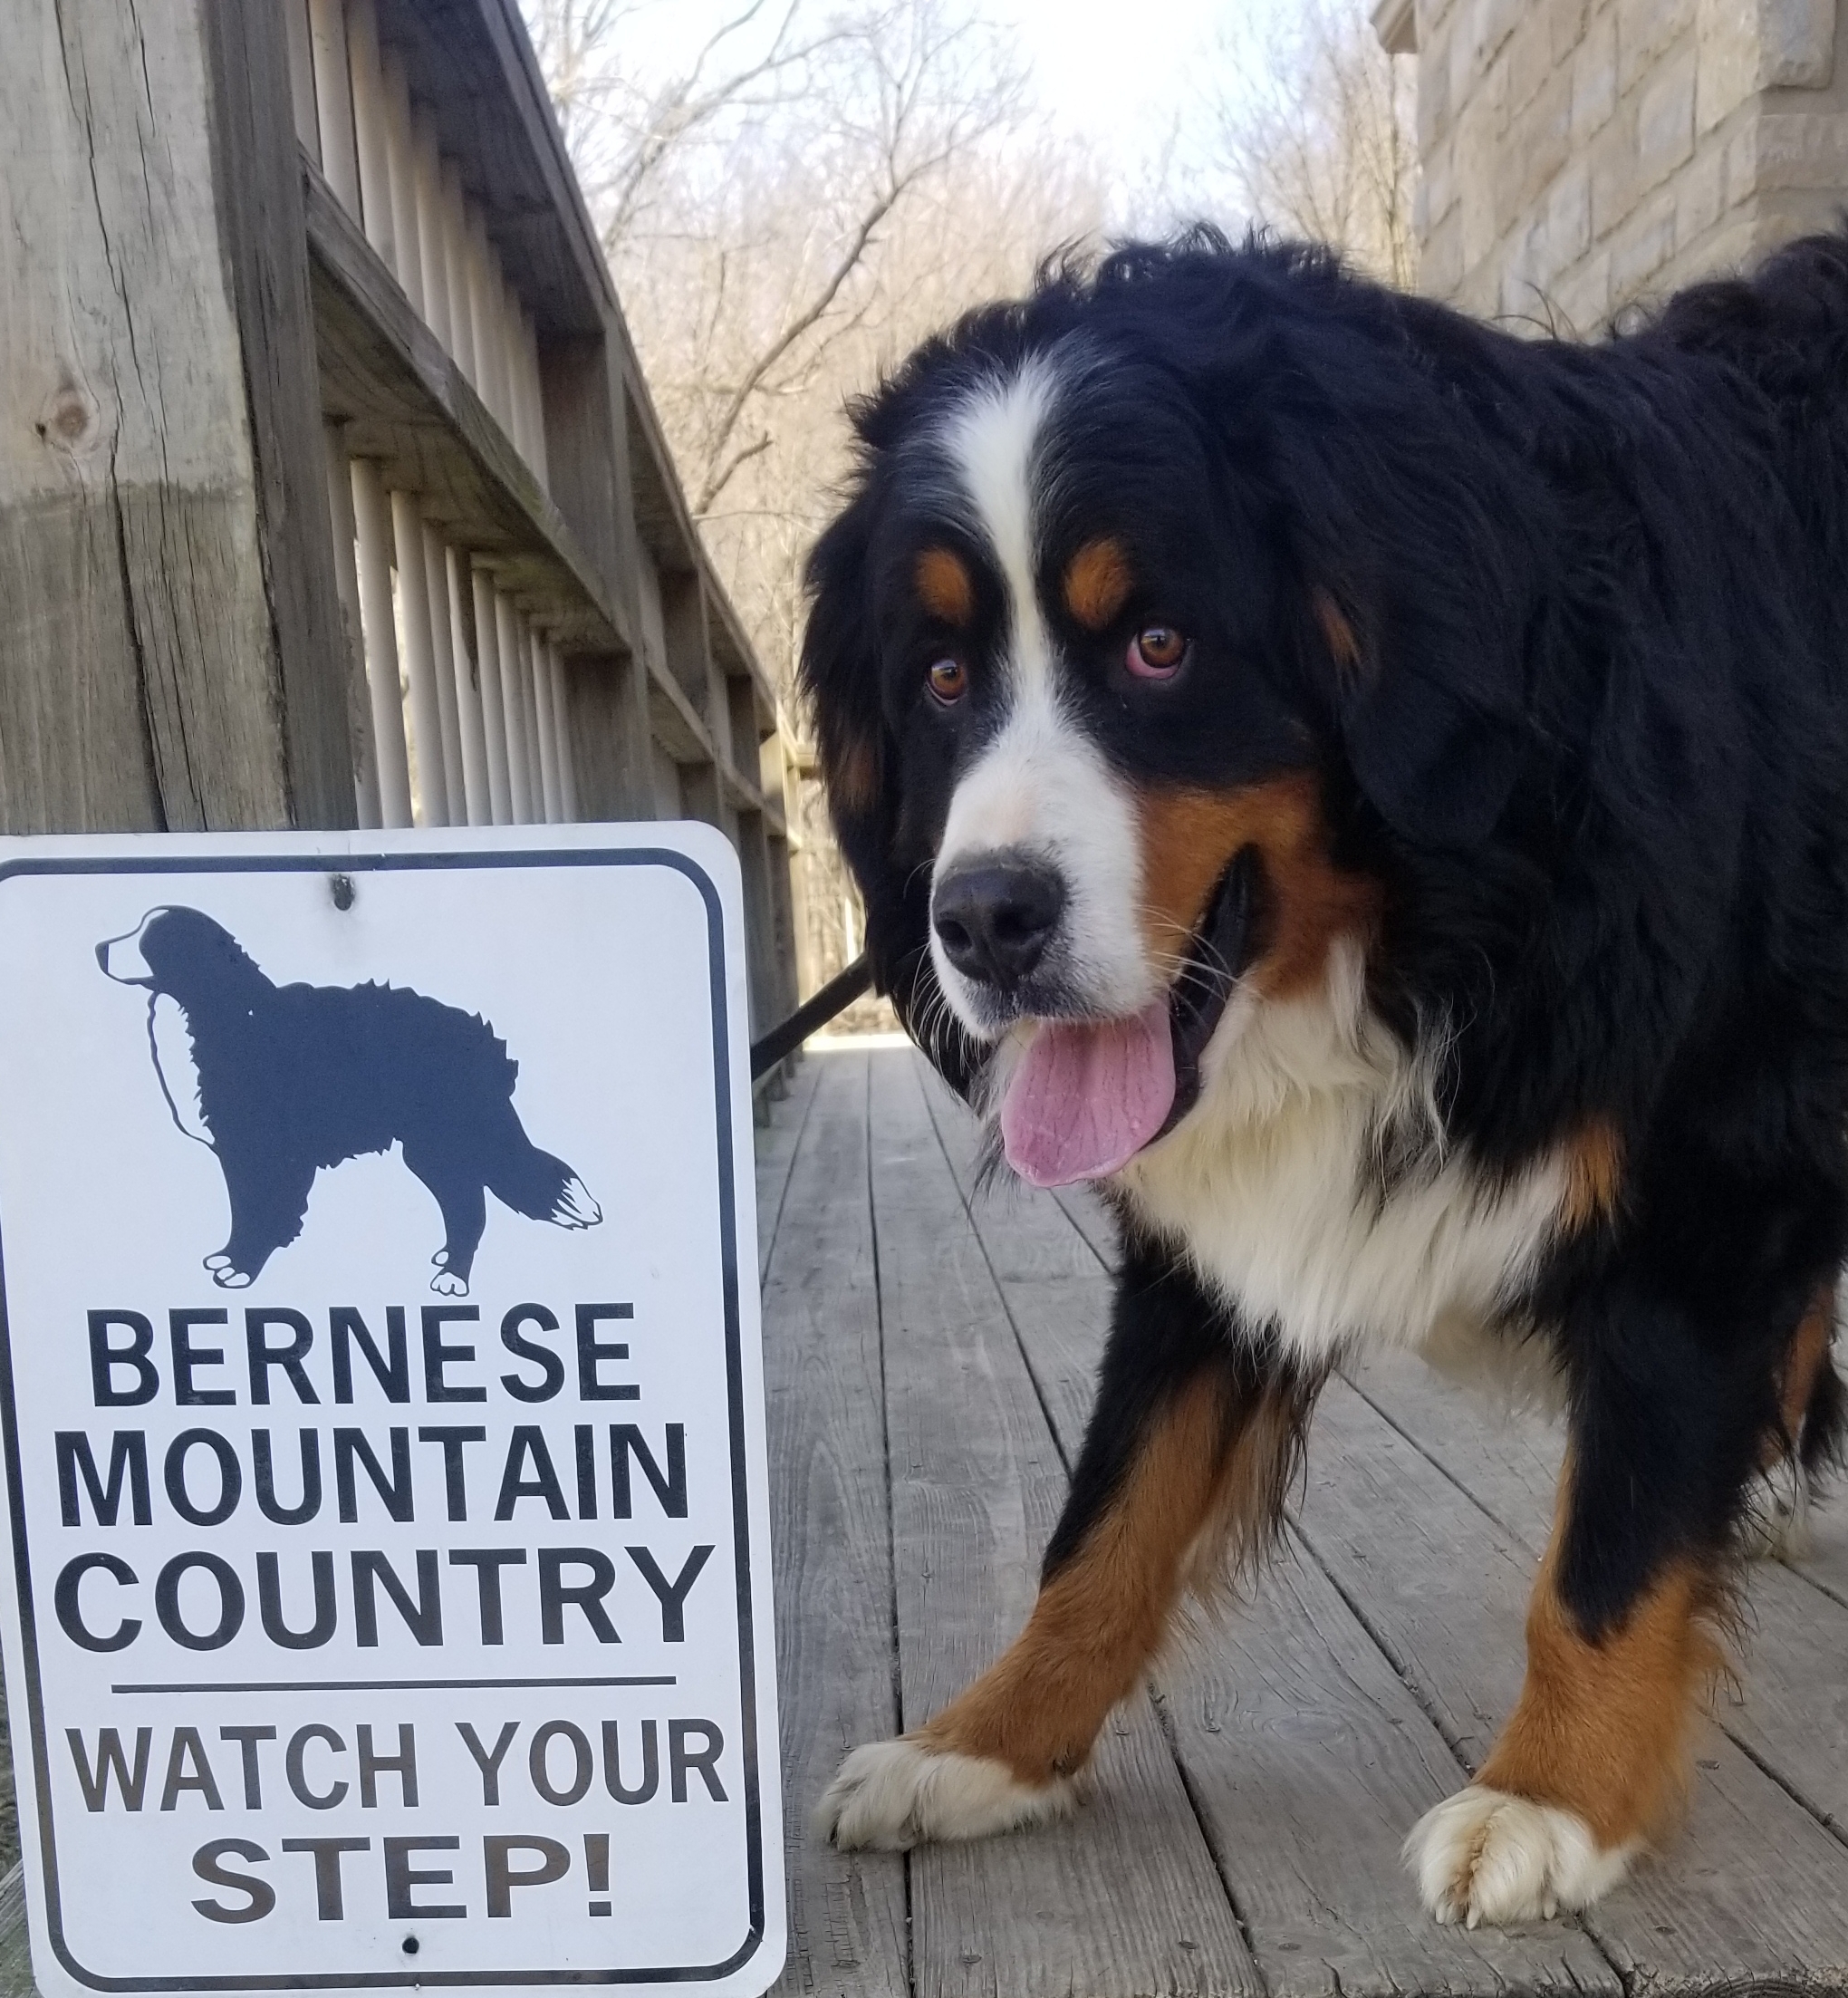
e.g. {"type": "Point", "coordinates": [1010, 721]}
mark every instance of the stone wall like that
{"type": "Point", "coordinates": [1581, 154]}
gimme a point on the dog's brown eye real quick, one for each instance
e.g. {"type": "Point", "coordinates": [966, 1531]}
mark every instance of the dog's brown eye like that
{"type": "Point", "coordinates": [950, 680]}
{"type": "Point", "coordinates": [1157, 652]}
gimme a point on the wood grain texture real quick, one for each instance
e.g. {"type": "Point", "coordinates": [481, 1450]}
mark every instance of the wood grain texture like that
{"type": "Point", "coordinates": [830, 1533]}
{"type": "Point", "coordinates": [257, 179]}
{"type": "Point", "coordinates": [1307, 1757]}
{"type": "Point", "coordinates": [1123, 1897]}
{"type": "Point", "coordinates": [1753, 1891]}
{"type": "Point", "coordinates": [777, 1140]}
{"type": "Point", "coordinates": [139, 682]}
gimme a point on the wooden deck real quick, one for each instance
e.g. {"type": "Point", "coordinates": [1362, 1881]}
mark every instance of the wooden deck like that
{"type": "Point", "coordinates": [929, 1363]}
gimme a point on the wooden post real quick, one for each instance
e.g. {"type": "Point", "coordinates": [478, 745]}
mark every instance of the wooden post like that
{"type": "Point", "coordinates": [561, 722]}
{"type": "Point", "coordinates": [475, 785]}
{"type": "Point", "coordinates": [494, 720]}
{"type": "Point", "coordinates": [443, 639]}
{"type": "Point", "coordinates": [165, 659]}
{"type": "Point", "coordinates": [373, 516]}
{"type": "Point", "coordinates": [302, 77]}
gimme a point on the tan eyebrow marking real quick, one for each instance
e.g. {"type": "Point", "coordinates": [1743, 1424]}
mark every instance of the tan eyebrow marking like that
{"type": "Point", "coordinates": [1097, 583]}
{"type": "Point", "coordinates": [944, 587]}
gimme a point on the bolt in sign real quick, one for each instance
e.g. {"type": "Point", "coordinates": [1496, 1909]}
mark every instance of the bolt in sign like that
{"type": "Point", "coordinates": [388, 1598]}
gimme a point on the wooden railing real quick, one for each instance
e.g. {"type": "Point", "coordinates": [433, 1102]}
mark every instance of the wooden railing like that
{"type": "Point", "coordinates": [338, 496]}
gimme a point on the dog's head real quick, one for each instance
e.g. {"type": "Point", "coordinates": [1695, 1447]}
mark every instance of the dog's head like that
{"type": "Point", "coordinates": [183, 953]}
{"type": "Point", "coordinates": [1157, 600]}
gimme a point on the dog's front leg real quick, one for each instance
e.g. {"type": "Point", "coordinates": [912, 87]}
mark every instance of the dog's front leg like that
{"type": "Point", "coordinates": [1183, 1470]}
{"type": "Point", "coordinates": [1676, 1404]}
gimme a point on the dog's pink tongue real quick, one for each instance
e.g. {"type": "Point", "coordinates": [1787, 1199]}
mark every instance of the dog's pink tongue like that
{"type": "Point", "coordinates": [1086, 1098]}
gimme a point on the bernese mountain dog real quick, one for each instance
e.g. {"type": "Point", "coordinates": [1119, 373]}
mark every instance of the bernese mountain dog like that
{"type": "Point", "coordinates": [1370, 793]}
{"type": "Point", "coordinates": [282, 1081]}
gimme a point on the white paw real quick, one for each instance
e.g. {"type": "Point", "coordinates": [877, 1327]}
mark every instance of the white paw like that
{"type": "Point", "coordinates": [446, 1284]}
{"type": "Point", "coordinates": [1483, 1856]}
{"type": "Point", "coordinates": [893, 1795]}
{"type": "Point", "coordinates": [218, 1260]}
{"type": "Point", "coordinates": [228, 1278]}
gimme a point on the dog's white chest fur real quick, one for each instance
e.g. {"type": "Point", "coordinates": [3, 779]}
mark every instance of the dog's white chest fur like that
{"type": "Point", "coordinates": [170, 1034]}
{"type": "Point", "coordinates": [1273, 1183]}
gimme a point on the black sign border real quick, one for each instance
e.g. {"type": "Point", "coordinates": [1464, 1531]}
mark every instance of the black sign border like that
{"type": "Point", "coordinates": [385, 862]}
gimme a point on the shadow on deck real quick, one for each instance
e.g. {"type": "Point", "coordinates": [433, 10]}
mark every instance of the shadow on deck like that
{"type": "Point", "coordinates": [929, 1360]}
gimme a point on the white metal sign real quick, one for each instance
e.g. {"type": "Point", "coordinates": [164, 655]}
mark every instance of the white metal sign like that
{"type": "Point", "coordinates": [382, 1407]}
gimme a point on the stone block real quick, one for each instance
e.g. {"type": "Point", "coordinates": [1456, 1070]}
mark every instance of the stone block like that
{"type": "Point", "coordinates": [1569, 218]}
{"type": "Point", "coordinates": [1477, 153]}
{"type": "Point", "coordinates": [1646, 30]}
{"type": "Point", "coordinates": [1529, 61]}
{"type": "Point", "coordinates": [1616, 184]}
{"type": "Point", "coordinates": [1594, 78]}
{"type": "Point", "coordinates": [1796, 43]}
{"type": "Point", "coordinates": [1565, 27]}
{"type": "Point", "coordinates": [1440, 258]}
{"type": "Point", "coordinates": [1434, 111]}
{"type": "Point", "coordinates": [1665, 120]}
{"type": "Point", "coordinates": [1437, 184]}
{"type": "Point", "coordinates": [1643, 245]}
{"type": "Point", "coordinates": [1800, 150]}
{"type": "Point", "coordinates": [1727, 39]}
{"type": "Point", "coordinates": [1580, 298]}
{"type": "Point", "coordinates": [1536, 148]}
{"type": "Point", "coordinates": [1700, 195]}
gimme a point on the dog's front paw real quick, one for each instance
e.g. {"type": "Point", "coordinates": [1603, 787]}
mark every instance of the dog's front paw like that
{"type": "Point", "coordinates": [445, 1283]}
{"type": "Point", "coordinates": [1485, 1856]}
{"type": "Point", "coordinates": [227, 1275]}
{"type": "Point", "coordinates": [893, 1795]}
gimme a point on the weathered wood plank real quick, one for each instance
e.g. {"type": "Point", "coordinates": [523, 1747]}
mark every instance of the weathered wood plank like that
{"type": "Point", "coordinates": [1791, 1709]}
{"type": "Point", "coordinates": [1124, 1898]}
{"type": "Point", "coordinates": [1755, 1890]}
{"type": "Point", "coordinates": [257, 181]}
{"type": "Point", "coordinates": [776, 1147]}
{"type": "Point", "coordinates": [139, 685]}
{"type": "Point", "coordinates": [1307, 1756]}
{"type": "Point", "coordinates": [830, 1533]}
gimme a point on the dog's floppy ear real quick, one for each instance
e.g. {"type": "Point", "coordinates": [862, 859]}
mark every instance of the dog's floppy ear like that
{"type": "Point", "coordinates": [840, 678]}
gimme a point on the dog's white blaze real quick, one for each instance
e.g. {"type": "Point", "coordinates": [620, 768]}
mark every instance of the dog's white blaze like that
{"type": "Point", "coordinates": [1041, 785]}
{"type": "Point", "coordinates": [175, 1062]}
{"type": "Point", "coordinates": [1269, 1183]}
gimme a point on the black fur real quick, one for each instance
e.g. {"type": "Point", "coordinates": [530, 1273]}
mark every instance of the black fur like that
{"type": "Point", "coordinates": [1593, 752]}
{"type": "Point", "coordinates": [295, 1078]}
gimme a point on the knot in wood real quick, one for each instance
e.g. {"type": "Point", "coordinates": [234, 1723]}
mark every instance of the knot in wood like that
{"type": "Point", "coordinates": [72, 420]}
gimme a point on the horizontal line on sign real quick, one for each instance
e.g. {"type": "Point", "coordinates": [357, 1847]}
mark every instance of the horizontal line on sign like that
{"type": "Point", "coordinates": [380, 1686]}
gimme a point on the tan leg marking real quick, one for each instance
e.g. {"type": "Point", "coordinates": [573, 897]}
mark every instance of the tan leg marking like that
{"type": "Point", "coordinates": [1602, 1729]}
{"type": "Point", "coordinates": [1102, 1618]}
{"type": "Point", "coordinates": [1807, 1355]}
{"type": "Point", "coordinates": [1188, 840]}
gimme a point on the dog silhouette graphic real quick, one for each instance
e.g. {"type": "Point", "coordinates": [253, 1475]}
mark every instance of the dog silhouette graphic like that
{"type": "Point", "coordinates": [284, 1081]}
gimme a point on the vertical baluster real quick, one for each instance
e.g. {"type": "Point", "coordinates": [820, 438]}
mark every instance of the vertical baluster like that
{"type": "Point", "coordinates": [489, 376]}
{"type": "Point", "coordinates": [545, 730]}
{"type": "Point", "coordinates": [536, 399]}
{"type": "Point", "coordinates": [429, 794]}
{"type": "Point", "coordinates": [372, 519]}
{"type": "Point", "coordinates": [444, 640]}
{"type": "Point", "coordinates": [369, 129]}
{"type": "Point", "coordinates": [494, 723]}
{"type": "Point", "coordinates": [456, 260]}
{"type": "Point", "coordinates": [515, 668]}
{"type": "Point", "coordinates": [476, 790]}
{"type": "Point", "coordinates": [333, 102]}
{"type": "Point", "coordinates": [509, 320]}
{"type": "Point", "coordinates": [402, 153]}
{"type": "Point", "coordinates": [346, 582]}
{"type": "Point", "coordinates": [535, 774]}
{"type": "Point", "coordinates": [432, 238]}
{"type": "Point", "coordinates": [302, 77]}
{"type": "Point", "coordinates": [561, 718]}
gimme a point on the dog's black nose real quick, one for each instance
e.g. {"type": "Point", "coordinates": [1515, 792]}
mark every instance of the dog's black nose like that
{"type": "Point", "coordinates": [995, 915]}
